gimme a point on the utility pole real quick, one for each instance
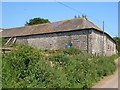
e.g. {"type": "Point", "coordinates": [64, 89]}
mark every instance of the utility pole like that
{"type": "Point", "coordinates": [103, 38]}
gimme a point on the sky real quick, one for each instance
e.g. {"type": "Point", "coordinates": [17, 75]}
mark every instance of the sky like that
{"type": "Point", "coordinates": [15, 14]}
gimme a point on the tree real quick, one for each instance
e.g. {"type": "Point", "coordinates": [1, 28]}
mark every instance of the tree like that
{"type": "Point", "coordinates": [117, 40]}
{"type": "Point", "coordinates": [36, 21]}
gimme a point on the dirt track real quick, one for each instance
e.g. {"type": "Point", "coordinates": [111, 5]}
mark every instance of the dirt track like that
{"type": "Point", "coordinates": [110, 81]}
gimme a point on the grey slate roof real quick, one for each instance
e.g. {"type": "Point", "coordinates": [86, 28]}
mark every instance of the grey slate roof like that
{"type": "Point", "coordinates": [65, 25]}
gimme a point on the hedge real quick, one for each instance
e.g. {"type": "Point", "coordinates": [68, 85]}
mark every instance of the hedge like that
{"type": "Point", "coordinates": [29, 67]}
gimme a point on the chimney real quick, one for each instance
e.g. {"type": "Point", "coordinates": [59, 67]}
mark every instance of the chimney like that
{"type": "Point", "coordinates": [84, 16]}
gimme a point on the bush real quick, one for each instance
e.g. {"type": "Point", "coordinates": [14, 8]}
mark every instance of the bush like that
{"type": "Point", "coordinates": [2, 41]}
{"type": "Point", "coordinates": [72, 51]}
{"type": "Point", "coordinates": [30, 70]}
{"type": "Point", "coordinates": [28, 67]}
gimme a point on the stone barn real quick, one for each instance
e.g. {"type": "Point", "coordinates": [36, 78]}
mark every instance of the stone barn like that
{"type": "Point", "coordinates": [78, 33]}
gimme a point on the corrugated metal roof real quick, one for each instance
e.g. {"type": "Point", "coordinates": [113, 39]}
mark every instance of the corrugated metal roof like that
{"type": "Point", "coordinates": [65, 25]}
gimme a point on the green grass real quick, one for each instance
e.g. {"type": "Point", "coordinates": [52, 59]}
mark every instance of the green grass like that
{"type": "Point", "coordinates": [29, 67]}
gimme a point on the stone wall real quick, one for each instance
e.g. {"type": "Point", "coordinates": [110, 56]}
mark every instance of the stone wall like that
{"type": "Point", "coordinates": [102, 44]}
{"type": "Point", "coordinates": [110, 47]}
{"type": "Point", "coordinates": [90, 41]}
{"type": "Point", "coordinates": [57, 40]}
{"type": "Point", "coordinates": [22, 40]}
{"type": "Point", "coordinates": [97, 43]}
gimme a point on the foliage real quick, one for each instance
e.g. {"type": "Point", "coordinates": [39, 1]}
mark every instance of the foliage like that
{"type": "Point", "coordinates": [0, 70]}
{"type": "Point", "coordinates": [33, 68]}
{"type": "Point", "coordinates": [37, 21]}
{"type": "Point", "coordinates": [72, 51]}
{"type": "Point", "coordinates": [2, 41]}
{"type": "Point", "coordinates": [117, 39]}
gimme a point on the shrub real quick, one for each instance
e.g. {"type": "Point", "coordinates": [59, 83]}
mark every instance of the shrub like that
{"type": "Point", "coordinates": [2, 41]}
{"type": "Point", "coordinates": [28, 67]}
{"type": "Point", "coordinates": [72, 51]}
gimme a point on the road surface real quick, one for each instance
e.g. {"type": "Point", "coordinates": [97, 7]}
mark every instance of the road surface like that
{"type": "Point", "coordinates": [110, 81]}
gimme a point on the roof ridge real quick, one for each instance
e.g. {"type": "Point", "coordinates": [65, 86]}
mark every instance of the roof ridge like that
{"type": "Point", "coordinates": [62, 25]}
{"type": "Point", "coordinates": [95, 25]}
{"type": "Point", "coordinates": [42, 24]}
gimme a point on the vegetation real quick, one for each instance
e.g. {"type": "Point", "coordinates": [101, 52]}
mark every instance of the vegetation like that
{"type": "Point", "coordinates": [117, 39]}
{"type": "Point", "coordinates": [29, 67]}
{"type": "Point", "coordinates": [0, 69]}
{"type": "Point", "coordinates": [37, 21]}
{"type": "Point", "coordinates": [2, 41]}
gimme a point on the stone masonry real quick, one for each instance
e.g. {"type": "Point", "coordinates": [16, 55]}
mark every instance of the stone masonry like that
{"type": "Point", "coordinates": [90, 41]}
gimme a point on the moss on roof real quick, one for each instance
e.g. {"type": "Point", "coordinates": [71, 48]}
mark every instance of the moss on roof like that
{"type": "Point", "coordinates": [64, 25]}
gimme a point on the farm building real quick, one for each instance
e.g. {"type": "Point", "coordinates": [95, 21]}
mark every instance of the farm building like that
{"type": "Point", "coordinates": [77, 33]}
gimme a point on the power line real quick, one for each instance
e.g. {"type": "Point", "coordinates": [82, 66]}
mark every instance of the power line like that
{"type": "Point", "coordinates": [77, 11]}
{"type": "Point", "coordinates": [68, 7]}
{"type": "Point", "coordinates": [110, 29]}
{"type": "Point", "coordinates": [101, 22]}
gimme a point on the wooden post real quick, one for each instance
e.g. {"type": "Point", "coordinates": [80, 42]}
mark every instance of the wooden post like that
{"type": "Point", "coordinates": [103, 38]}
